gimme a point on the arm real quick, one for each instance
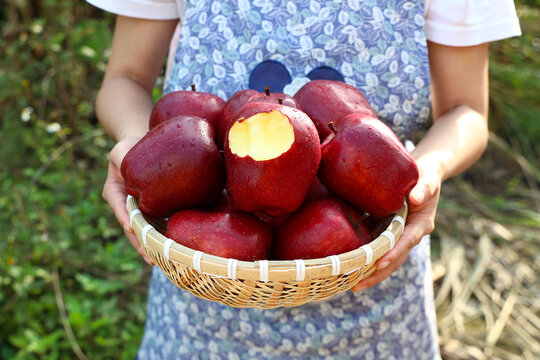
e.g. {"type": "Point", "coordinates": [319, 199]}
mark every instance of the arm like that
{"type": "Point", "coordinates": [124, 102]}
{"type": "Point", "coordinates": [459, 84]}
{"type": "Point", "coordinates": [457, 138]}
{"type": "Point", "coordinates": [138, 50]}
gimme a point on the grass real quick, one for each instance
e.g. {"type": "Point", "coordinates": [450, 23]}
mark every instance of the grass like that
{"type": "Point", "coordinates": [72, 287]}
{"type": "Point", "coordinates": [487, 238]}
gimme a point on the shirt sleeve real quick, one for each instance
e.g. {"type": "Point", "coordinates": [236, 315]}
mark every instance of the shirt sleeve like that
{"type": "Point", "coordinates": [145, 9]}
{"type": "Point", "coordinates": [470, 22]}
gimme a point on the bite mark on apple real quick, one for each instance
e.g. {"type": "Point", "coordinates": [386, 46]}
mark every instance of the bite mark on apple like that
{"type": "Point", "coordinates": [263, 136]}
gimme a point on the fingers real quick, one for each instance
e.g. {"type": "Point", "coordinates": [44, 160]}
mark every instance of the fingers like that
{"type": "Point", "coordinates": [392, 260]}
{"type": "Point", "coordinates": [120, 150]}
{"type": "Point", "coordinates": [380, 274]}
{"type": "Point", "coordinates": [423, 200]}
{"type": "Point", "coordinates": [114, 191]}
{"type": "Point", "coordinates": [426, 188]}
{"type": "Point", "coordinates": [420, 222]}
{"type": "Point", "coordinates": [135, 242]}
{"type": "Point", "coordinates": [115, 194]}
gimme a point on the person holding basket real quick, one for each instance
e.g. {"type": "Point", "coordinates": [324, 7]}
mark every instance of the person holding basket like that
{"type": "Point", "coordinates": [410, 58]}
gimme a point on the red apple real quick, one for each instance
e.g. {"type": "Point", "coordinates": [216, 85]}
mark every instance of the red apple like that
{"type": "Point", "coordinates": [275, 98]}
{"type": "Point", "coordinates": [230, 109]}
{"type": "Point", "coordinates": [239, 99]}
{"type": "Point", "coordinates": [378, 226]}
{"type": "Point", "coordinates": [223, 203]}
{"type": "Point", "coordinates": [329, 101]}
{"type": "Point", "coordinates": [197, 103]}
{"type": "Point", "coordinates": [272, 153]}
{"type": "Point", "coordinates": [227, 234]}
{"type": "Point", "coordinates": [175, 165]}
{"type": "Point", "coordinates": [320, 228]}
{"type": "Point", "coordinates": [316, 191]}
{"type": "Point", "coordinates": [272, 221]}
{"type": "Point", "coordinates": [366, 164]}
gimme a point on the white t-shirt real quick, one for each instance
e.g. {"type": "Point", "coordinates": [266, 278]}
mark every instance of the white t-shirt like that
{"type": "Point", "coordinates": [453, 23]}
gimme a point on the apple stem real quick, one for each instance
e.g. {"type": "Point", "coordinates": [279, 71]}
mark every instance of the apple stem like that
{"type": "Point", "coordinates": [193, 87]}
{"type": "Point", "coordinates": [267, 90]}
{"type": "Point", "coordinates": [280, 101]}
{"type": "Point", "coordinates": [332, 127]}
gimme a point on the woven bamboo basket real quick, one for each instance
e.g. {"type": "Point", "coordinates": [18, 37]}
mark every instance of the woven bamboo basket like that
{"type": "Point", "coordinates": [260, 284]}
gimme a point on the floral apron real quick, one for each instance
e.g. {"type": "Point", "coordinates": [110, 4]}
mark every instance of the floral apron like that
{"type": "Point", "coordinates": [377, 46]}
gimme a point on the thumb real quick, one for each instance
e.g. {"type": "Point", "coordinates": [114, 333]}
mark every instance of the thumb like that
{"type": "Point", "coordinates": [120, 150]}
{"type": "Point", "coordinates": [417, 194]}
{"type": "Point", "coordinates": [424, 189]}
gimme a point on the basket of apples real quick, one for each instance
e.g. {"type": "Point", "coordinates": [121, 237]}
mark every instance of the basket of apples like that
{"type": "Point", "coordinates": [268, 200]}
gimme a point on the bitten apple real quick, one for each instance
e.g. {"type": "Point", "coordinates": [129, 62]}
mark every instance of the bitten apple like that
{"type": "Point", "coordinates": [175, 165]}
{"type": "Point", "coordinates": [182, 102]}
{"type": "Point", "coordinates": [239, 99]}
{"type": "Point", "coordinates": [275, 98]}
{"type": "Point", "coordinates": [272, 154]}
{"type": "Point", "coordinates": [367, 165]}
{"type": "Point", "coordinates": [323, 227]}
{"type": "Point", "coordinates": [229, 234]}
{"type": "Point", "coordinates": [230, 109]}
{"type": "Point", "coordinates": [329, 101]}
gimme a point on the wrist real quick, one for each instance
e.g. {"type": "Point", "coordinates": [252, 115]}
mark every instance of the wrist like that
{"type": "Point", "coordinates": [453, 143]}
{"type": "Point", "coordinates": [120, 150]}
{"type": "Point", "coordinates": [119, 129]}
{"type": "Point", "coordinates": [131, 134]}
{"type": "Point", "coordinates": [433, 163]}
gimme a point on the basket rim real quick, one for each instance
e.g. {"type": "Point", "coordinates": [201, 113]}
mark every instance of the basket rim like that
{"type": "Point", "coordinates": [265, 270]}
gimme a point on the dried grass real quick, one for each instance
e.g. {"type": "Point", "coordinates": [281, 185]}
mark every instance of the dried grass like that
{"type": "Point", "coordinates": [485, 261]}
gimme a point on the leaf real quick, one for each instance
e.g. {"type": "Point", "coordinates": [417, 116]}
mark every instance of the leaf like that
{"type": "Point", "coordinates": [99, 286]}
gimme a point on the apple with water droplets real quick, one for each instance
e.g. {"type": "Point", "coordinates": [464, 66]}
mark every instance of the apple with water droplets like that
{"type": "Point", "coordinates": [275, 98]}
{"type": "Point", "coordinates": [230, 109]}
{"type": "Point", "coordinates": [184, 102]}
{"type": "Point", "coordinates": [242, 97]}
{"type": "Point", "coordinates": [229, 234]}
{"type": "Point", "coordinates": [323, 227]}
{"type": "Point", "coordinates": [365, 163]}
{"type": "Point", "coordinates": [272, 154]}
{"type": "Point", "coordinates": [175, 165]}
{"type": "Point", "coordinates": [328, 101]}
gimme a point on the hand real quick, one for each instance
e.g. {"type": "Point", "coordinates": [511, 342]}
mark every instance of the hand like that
{"type": "Point", "coordinates": [423, 200]}
{"type": "Point", "coordinates": [114, 191]}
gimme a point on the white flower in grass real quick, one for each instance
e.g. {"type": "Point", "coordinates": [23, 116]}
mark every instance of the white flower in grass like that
{"type": "Point", "coordinates": [56, 47]}
{"type": "Point", "coordinates": [26, 112]}
{"type": "Point", "coordinates": [88, 51]}
{"type": "Point", "coordinates": [37, 28]}
{"type": "Point", "coordinates": [53, 127]}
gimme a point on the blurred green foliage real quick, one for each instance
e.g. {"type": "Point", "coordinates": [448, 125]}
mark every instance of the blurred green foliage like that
{"type": "Point", "coordinates": [515, 85]}
{"type": "Point", "coordinates": [61, 247]}
{"type": "Point", "coordinates": [54, 221]}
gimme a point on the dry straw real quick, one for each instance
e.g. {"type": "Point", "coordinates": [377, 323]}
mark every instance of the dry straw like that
{"type": "Point", "coordinates": [260, 284]}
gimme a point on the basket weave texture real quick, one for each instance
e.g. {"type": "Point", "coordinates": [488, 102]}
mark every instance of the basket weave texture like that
{"type": "Point", "coordinates": [260, 284]}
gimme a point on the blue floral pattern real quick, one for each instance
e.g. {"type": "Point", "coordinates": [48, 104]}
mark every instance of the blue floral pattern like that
{"type": "Point", "coordinates": [378, 47]}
